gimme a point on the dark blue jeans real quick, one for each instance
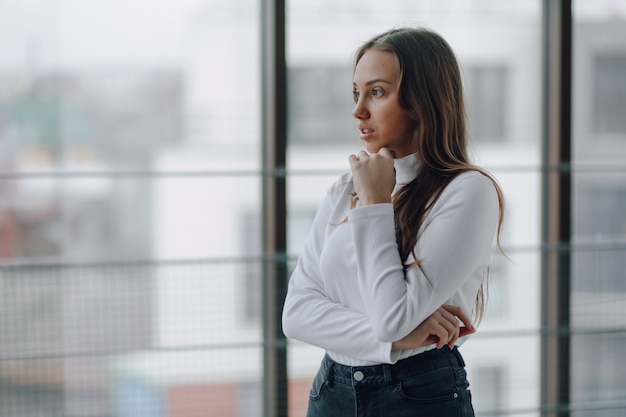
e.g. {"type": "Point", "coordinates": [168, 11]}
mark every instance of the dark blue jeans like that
{"type": "Point", "coordinates": [433, 383]}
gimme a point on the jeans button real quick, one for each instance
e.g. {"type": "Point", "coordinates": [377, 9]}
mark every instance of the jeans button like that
{"type": "Point", "coordinates": [358, 376]}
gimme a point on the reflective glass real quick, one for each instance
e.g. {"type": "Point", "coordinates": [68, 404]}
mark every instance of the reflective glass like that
{"type": "Point", "coordinates": [130, 226]}
{"type": "Point", "coordinates": [499, 48]}
{"type": "Point", "coordinates": [598, 256]}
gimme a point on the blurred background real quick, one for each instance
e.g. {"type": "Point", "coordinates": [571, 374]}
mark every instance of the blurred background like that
{"type": "Point", "coordinates": [131, 199]}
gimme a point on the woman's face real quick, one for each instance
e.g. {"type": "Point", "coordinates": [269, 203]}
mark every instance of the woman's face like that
{"type": "Point", "coordinates": [382, 122]}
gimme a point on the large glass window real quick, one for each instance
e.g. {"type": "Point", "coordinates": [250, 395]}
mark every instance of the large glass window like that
{"type": "Point", "coordinates": [487, 101]}
{"type": "Point", "coordinates": [598, 258]}
{"type": "Point", "coordinates": [317, 103]}
{"type": "Point", "coordinates": [131, 258]}
{"type": "Point", "coordinates": [609, 96]}
{"type": "Point", "coordinates": [503, 86]}
{"type": "Point", "coordinates": [129, 208]}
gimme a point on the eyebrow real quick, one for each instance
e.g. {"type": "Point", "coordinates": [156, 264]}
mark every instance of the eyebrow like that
{"type": "Point", "coordinates": [376, 80]}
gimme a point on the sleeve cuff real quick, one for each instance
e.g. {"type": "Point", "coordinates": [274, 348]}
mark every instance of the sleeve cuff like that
{"type": "Point", "coordinates": [364, 212]}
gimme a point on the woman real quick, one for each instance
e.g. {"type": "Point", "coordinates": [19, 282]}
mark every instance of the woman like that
{"type": "Point", "coordinates": [400, 247]}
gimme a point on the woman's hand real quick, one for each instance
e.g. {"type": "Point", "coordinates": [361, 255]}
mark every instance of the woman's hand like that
{"type": "Point", "coordinates": [374, 176]}
{"type": "Point", "coordinates": [442, 327]}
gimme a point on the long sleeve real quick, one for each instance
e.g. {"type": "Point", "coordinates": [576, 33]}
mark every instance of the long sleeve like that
{"type": "Point", "coordinates": [349, 292]}
{"type": "Point", "coordinates": [452, 248]}
{"type": "Point", "coordinates": [311, 316]}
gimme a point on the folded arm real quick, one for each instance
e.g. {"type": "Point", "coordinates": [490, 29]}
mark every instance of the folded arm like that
{"type": "Point", "coordinates": [452, 244]}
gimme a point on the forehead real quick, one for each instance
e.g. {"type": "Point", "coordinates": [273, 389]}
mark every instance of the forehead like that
{"type": "Point", "coordinates": [376, 64]}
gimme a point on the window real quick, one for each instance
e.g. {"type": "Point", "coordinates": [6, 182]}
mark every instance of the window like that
{"type": "Point", "coordinates": [504, 120]}
{"type": "Point", "coordinates": [299, 224]}
{"type": "Point", "coordinates": [600, 207]}
{"type": "Point", "coordinates": [498, 302]}
{"type": "Point", "coordinates": [609, 87]}
{"type": "Point", "coordinates": [598, 288]}
{"type": "Point", "coordinates": [320, 105]}
{"type": "Point", "coordinates": [486, 382]}
{"type": "Point", "coordinates": [486, 101]}
{"type": "Point", "coordinates": [250, 237]}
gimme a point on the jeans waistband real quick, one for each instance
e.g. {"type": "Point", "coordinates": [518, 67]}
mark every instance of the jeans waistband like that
{"type": "Point", "coordinates": [386, 373]}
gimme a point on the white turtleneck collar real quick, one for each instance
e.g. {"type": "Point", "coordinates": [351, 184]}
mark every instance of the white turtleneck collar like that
{"type": "Point", "coordinates": [406, 168]}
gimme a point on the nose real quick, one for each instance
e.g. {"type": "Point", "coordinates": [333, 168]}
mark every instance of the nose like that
{"type": "Point", "coordinates": [360, 111]}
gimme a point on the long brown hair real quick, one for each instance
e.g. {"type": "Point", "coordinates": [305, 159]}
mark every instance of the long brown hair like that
{"type": "Point", "coordinates": [431, 92]}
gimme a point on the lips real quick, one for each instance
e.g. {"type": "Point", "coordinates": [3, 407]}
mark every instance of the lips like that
{"type": "Point", "coordinates": [366, 132]}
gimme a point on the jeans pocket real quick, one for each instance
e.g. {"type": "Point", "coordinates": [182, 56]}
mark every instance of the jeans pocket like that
{"type": "Point", "coordinates": [319, 382]}
{"type": "Point", "coordinates": [436, 386]}
{"type": "Point", "coordinates": [409, 394]}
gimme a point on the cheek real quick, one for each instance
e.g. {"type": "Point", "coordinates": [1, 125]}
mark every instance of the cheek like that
{"type": "Point", "coordinates": [410, 127]}
{"type": "Point", "coordinates": [398, 119]}
{"type": "Point", "coordinates": [402, 125]}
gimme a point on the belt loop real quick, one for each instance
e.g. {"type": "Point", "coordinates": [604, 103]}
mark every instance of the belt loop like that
{"type": "Point", "coordinates": [458, 355]}
{"type": "Point", "coordinates": [328, 371]}
{"type": "Point", "coordinates": [388, 376]}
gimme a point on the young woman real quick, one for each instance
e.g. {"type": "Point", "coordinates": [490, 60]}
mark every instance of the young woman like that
{"type": "Point", "coordinates": [400, 248]}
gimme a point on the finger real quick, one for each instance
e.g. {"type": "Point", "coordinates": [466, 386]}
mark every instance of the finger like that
{"type": "Point", "coordinates": [452, 327]}
{"type": "Point", "coordinates": [363, 154]}
{"type": "Point", "coordinates": [452, 309]}
{"type": "Point", "coordinates": [449, 320]}
{"type": "Point", "coordinates": [353, 159]}
{"type": "Point", "coordinates": [464, 331]}
{"type": "Point", "coordinates": [467, 328]}
{"type": "Point", "coordinates": [442, 335]}
{"type": "Point", "coordinates": [454, 338]}
{"type": "Point", "coordinates": [448, 315]}
{"type": "Point", "coordinates": [458, 312]}
{"type": "Point", "coordinates": [386, 153]}
{"type": "Point", "coordinates": [451, 324]}
{"type": "Point", "coordinates": [430, 340]}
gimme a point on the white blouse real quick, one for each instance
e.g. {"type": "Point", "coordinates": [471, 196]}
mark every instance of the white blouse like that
{"type": "Point", "coordinates": [349, 293]}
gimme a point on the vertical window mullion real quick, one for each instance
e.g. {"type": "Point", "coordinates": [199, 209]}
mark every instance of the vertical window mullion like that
{"type": "Point", "coordinates": [556, 210]}
{"type": "Point", "coordinates": [274, 134]}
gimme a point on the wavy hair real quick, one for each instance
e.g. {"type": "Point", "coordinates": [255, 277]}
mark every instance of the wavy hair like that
{"type": "Point", "coordinates": [431, 92]}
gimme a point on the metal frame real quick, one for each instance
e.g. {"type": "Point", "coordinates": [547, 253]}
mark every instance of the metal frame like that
{"type": "Point", "coordinates": [556, 209]}
{"type": "Point", "coordinates": [274, 142]}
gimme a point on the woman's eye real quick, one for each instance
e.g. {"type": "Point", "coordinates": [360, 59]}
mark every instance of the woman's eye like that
{"type": "Point", "coordinates": [377, 92]}
{"type": "Point", "coordinates": [355, 95]}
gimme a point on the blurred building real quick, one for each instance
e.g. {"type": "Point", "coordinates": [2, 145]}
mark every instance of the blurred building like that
{"type": "Point", "coordinates": [322, 134]}
{"type": "Point", "coordinates": [130, 217]}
